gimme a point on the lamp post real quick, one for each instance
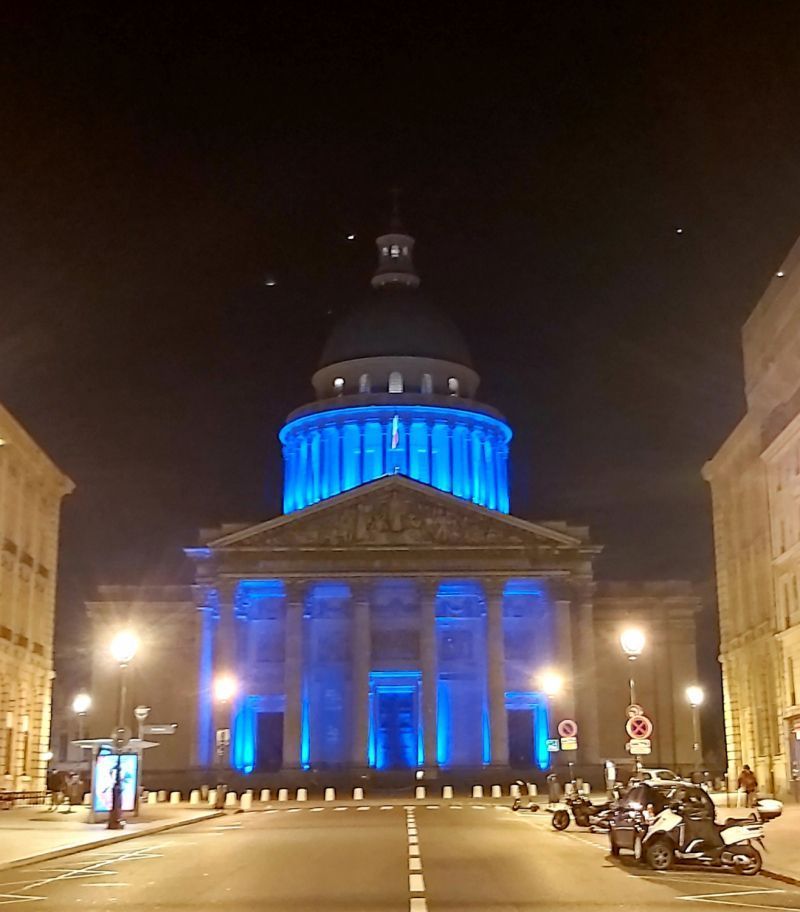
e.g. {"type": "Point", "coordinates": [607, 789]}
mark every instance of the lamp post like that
{"type": "Point", "coordinates": [123, 649]}
{"type": "Point", "coordinates": [632, 640]}
{"type": "Point", "coordinates": [81, 704]}
{"type": "Point", "coordinates": [551, 683]}
{"type": "Point", "coordinates": [695, 697]}
{"type": "Point", "coordinates": [225, 689]}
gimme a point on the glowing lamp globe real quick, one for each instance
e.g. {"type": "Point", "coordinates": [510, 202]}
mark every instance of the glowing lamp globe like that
{"type": "Point", "coordinates": [81, 704]}
{"type": "Point", "coordinates": [632, 640]}
{"type": "Point", "coordinates": [551, 683]}
{"type": "Point", "coordinates": [124, 646]}
{"type": "Point", "coordinates": [695, 695]}
{"type": "Point", "coordinates": [225, 688]}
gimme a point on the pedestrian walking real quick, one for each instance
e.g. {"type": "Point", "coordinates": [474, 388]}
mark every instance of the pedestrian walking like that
{"type": "Point", "coordinates": [749, 783]}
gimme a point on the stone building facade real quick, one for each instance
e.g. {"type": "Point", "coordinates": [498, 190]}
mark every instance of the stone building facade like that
{"type": "Point", "coordinates": [396, 615]}
{"type": "Point", "coordinates": [755, 490]}
{"type": "Point", "coordinates": [31, 489]}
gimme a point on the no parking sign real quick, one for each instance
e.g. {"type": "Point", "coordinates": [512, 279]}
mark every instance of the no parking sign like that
{"type": "Point", "coordinates": [568, 728]}
{"type": "Point", "coordinates": [639, 727]}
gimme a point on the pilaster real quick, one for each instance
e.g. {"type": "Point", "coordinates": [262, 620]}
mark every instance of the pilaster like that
{"type": "Point", "coordinates": [428, 589]}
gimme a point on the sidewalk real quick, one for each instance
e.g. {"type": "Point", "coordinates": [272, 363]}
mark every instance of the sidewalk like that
{"type": "Point", "coordinates": [34, 833]}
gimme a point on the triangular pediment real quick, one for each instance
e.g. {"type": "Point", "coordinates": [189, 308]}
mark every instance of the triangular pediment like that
{"type": "Point", "coordinates": [394, 511]}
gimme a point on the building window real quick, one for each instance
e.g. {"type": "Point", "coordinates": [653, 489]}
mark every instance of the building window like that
{"type": "Point", "coordinates": [427, 384]}
{"type": "Point", "coordinates": [363, 383]}
{"type": "Point", "coordinates": [395, 382]}
{"type": "Point", "coordinates": [338, 384]}
{"type": "Point", "coordinates": [452, 385]}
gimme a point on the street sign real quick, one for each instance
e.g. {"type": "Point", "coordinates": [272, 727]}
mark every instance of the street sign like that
{"type": "Point", "coordinates": [167, 728]}
{"type": "Point", "coordinates": [568, 728]}
{"type": "Point", "coordinates": [552, 744]}
{"type": "Point", "coordinates": [639, 746]}
{"type": "Point", "coordinates": [639, 727]}
{"type": "Point", "coordinates": [569, 744]}
{"type": "Point", "coordinates": [634, 710]}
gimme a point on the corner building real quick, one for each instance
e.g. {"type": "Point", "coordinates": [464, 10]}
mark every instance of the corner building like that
{"type": "Point", "coordinates": [396, 615]}
{"type": "Point", "coordinates": [755, 491]}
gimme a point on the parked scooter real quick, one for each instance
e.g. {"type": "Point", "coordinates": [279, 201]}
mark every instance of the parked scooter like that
{"type": "Point", "coordinates": [585, 814]}
{"type": "Point", "coordinates": [675, 834]}
{"type": "Point", "coordinates": [523, 801]}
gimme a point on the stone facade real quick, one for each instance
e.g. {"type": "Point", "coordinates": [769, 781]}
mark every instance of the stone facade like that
{"type": "Point", "coordinates": [755, 490]}
{"type": "Point", "coordinates": [31, 488]}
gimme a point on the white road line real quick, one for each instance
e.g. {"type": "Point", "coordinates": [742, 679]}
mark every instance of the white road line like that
{"type": "Point", "coordinates": [6, 899]}
{"type": "Point", "coordinates": [413, 839]}
{"type": "Point", "coordinates": [313, 810]}
{"type": "Point", "coordinates": [362, 809]}
{"type": "Point", "coordinates": [106, 885]}
{"type": "Point", "coordinates": [413, 851]}
{"type": "Point", "coordinates": [387, 807]}
{"type": "Point", "coordinates": [418, 904]}
{"type": "Point", "coordinates": [416, 883]}
{"type": "Point", "coordinates": [414, 864]}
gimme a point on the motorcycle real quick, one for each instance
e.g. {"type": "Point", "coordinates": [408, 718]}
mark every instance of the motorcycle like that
{"type": "Point", "coordinates": [595, 817]}
{"type": "Point", "coordinates": [677, 834]}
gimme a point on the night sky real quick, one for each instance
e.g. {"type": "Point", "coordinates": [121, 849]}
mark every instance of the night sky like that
{"type": "Point", "coordinates": [154, 168]}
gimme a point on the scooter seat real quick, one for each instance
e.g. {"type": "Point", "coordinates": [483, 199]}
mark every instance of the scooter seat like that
{"type": "Point", "coordinates": [736, 821]}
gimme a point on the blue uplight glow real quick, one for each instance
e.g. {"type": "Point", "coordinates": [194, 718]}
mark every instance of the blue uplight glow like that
{"type": "Point", "coordinates": [244, 735]}
{"type": "Point", "coordinates": [456, 450]}
{"type": "Point", "coordinates": [536, 703]}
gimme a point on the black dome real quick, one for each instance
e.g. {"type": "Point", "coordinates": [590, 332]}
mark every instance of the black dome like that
{"type": "Point", "coordinates": [395, 320]}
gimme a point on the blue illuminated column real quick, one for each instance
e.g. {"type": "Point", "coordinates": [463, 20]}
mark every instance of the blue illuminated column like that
{"type": "Point", "coordinates": [428, 659]}
{"type": "Point", "coordinates": [204, 747]}
{"type": "Point", "coordinates": [419, 452]}
{"type": "Point", "coordinates": [294, 733]}
{"type": "Point", "coordinates": [351, 455]}
{"type": "Point", "coordinates": [498, 716]}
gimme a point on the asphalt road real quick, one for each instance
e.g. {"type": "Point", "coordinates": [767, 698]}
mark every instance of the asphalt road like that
{"type": "Point", "coordinates": [377, 858]}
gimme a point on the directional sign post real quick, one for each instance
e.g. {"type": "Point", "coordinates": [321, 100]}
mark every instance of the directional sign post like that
{"type": "Point", "coordinates": [167, 728]}
{"type": "Point", "coordinates": [638, 746]}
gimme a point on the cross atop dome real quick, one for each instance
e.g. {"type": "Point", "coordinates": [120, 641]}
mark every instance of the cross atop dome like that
{"type": "Point", "coordinates": [395, 250]}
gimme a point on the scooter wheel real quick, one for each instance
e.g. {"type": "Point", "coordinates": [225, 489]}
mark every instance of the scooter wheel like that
{"type": "Point", "coordinates": [560, 820]}
{"type": "Point", "coordinates": [582, 820]}
{"type": "Point", "coordinates": [746, 860]}
{"type": "Point", "coordinates": [659, 854]}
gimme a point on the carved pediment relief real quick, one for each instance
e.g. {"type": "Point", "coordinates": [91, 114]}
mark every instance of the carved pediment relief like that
{"type": "Point", "coordinates": [390, 514]}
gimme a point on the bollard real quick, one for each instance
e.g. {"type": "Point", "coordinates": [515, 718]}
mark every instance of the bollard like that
{"type": "Point", "coordinates": [194, 796]}
{"type": "Point", "coordinates": [330, 794]}
{"type": "Point", "coordinates": [358, 794]}
{"type": "Point", "coordinates": [497, 791]}
{"type": "Point", "coordinates": [174, 797]}
{"type": "Point", "coordinates": [230, 800]}
{"type": "Point", "coordinates": [283, 794]}
{"type": "Point", "coordinates": [419, 791]}
{"type": "Point", "coordinates": [447, 791]}
{"type": "Point", "coordinates": [302, 794]}
{"type": "Point", "coordinates": [152, 797]}
{"type": "Point", "coordinates": [87, 799]}
{"type": "Point", "coordinates": [514, 791]}
{"type": "Point", "coordinates": [532, 790]}
{"type": "Point", "coordinates": [586, 789]}
{"type": "Point", "coordinates": [212, 797]}
{"type": "Point", "coordinates": [477, 791]}
{"type": "Point", "coordinates": [204, 793]}
{"type": "Point", "coordinates": [264, 795]}
{"type": "Point", "coordinates": [247, 801]}
{"type": "Point", "coordinates": [162, 796]}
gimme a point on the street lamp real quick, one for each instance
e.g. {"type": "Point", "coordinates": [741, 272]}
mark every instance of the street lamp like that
{"type": "Point", "coordinates": [551, 683]}
{"type": "Point", "coordinates": [225, 689]}
{"type": "Point", "coordinates": [695, 697]}
{"type": "Point", "coordinates": [632, 640]}
{"type": "Point", "coordinates": [123, 648]}
{"type": "Point", "coordinates": [81, 704]}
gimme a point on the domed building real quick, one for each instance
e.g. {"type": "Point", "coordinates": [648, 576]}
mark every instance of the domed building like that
{"type": "Point", "coordinates": [396, 615]}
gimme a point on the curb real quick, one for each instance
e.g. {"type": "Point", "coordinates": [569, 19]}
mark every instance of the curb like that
{"type": "Point", "coordinates": [109, 840]}
{"type": "Point", "coordinates": [783, 878]}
